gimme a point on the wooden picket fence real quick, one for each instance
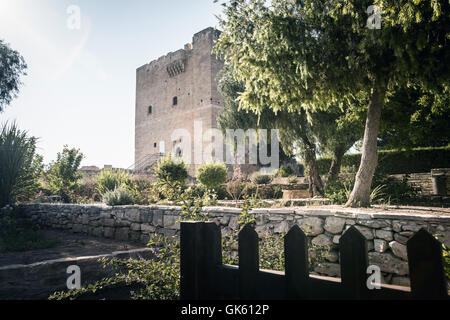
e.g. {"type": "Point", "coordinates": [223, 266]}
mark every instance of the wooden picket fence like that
{"type": "Point", "coordinates": [204, 277]}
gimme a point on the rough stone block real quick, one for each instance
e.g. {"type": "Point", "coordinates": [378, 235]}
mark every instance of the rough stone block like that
{"type": "Point", "coordinates": [146, 229]}
{"type": "Point", "coordinates": [388, 263]}
{"type": "Point", "coordinates": [109, 223]}
{"type": "Point", "coordinates": [400, 238]}
{"type": "Point", "coordinates": [135, 236]}
{"type": "Point", "coordinates": [171, 221]}
{"type": "Point", "coordinates": [334, 225]}
{"type": "Point", "coordinates": [366, 232]}
{"type": "Point", "coordinates": [380, 245]}
{"type": "Point", "coordinates": [322, 240]}
{"type": "Point", "coordinates": [311, 226]}
{"type": "Point", "coordinates": [384, 235]}
{"type": "Point", "coordinates": [399, 250]}
{"type": "Point", "coordinates": [224, 220]}
{"type": "Point", "coordinates": [374, 223]}
{"type": "Point", "coordinates": [413, 227]}
{"type": "Point", "coordinates": [122, 234]}
{"type": "Point", "coordinates": [336, 239]}
{"type": "Point", "coordinates": [332, 256]}
{"type": "Point", "coordinates": [282, 227]}
{"type": "Point", "coordinates": [97, 232]}
{"type": "Point", "coordinates": [329, 269]}
{"type": "Point", "coordinates": [135, 227]}
{"type": "Point", "coordinates": [146, 217]}
{"type": "Point", "coordinates": [85, 219]}
{"type": "Point", "coordinates": [234, 224]}
{"type": "Point", "coordinates": [109, 232]}
{"type": "Point", "coordinates": [133, 215]}
{"type": "Point", "coordinates": [158, 218]}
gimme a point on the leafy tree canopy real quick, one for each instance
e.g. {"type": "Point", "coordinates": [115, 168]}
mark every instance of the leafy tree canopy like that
{"type": "Point", "coordinates": [315, 54]}
{"type": "Point", "coordinates": [62, 175]}
{"type": "Point", "coordinates": [12, 66]}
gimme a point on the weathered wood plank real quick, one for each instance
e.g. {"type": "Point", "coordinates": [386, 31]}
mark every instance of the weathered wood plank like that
{"type": "Point", "coordinates": [296, 263]}
{"type": "Point", "coordinates": [212, 258]}
{"type": "Point", "coordinates": [248, 263]}
{"type": "Point", "coordinates": [354, 262]}
{"type": "Point", "coordinates": [190, 259]}
{"type": "Point", "coordinates": [426, 269]}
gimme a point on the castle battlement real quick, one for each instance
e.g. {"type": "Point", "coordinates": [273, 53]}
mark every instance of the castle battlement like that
{"type": "Point", "coordinates": [209, 34]}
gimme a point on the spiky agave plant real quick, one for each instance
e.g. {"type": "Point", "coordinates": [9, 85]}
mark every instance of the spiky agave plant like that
{"type": "Point", "coordinates": [20, 166]}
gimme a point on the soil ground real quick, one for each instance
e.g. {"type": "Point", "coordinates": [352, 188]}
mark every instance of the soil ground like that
{"type": "Point", "coordinates": [70, 245]}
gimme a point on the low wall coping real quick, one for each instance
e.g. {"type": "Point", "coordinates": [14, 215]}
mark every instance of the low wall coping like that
{"type": "Point", "coordinates": [350, 213]}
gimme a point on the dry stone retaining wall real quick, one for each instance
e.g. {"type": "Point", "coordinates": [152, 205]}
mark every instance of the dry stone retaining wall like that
{"type": "Point", "coordinates": [386, 233]}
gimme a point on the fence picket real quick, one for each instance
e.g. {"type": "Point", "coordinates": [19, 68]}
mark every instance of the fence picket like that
{"type": "Point", "coordinates": [426, 266]}
{"type": "Point", "coordinates": [296, 263]}
{"type": "Point", "coordinates": [212, 257]}
{"type": "Point", "coordinates": [190, 260]}
{"type": "Point", "coordinates": [203, 276]}
{"type": "Point", "coordinates": [354, 262]}
{"type": "Point", "coordinates": [248, 263]}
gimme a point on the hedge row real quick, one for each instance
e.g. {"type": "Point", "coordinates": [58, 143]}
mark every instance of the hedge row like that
{"type": "Point", "coordinates": [398, 162]}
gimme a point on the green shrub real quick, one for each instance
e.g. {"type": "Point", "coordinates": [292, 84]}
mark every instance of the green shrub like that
{"type": "Point", "coordinates": [285, 172]}
{"type": "Point", "coordinates": [110, 180]}
{"type": "Point", "coordinates": [171, 170]}
{"type": "Point", "coordinates": [277, 192]}
{"type": "Point", "coordinates": [18, 234]}
{"type": "Point", "coordinates": [62, 176]}
{"type": "Point", "coordinates": [417, 160]}
{"type": "Point", "coordinates": [200, 190]}
{"type": "Point", "coordinates": [292, 180]}
{"type": "Point", "coordinates": [262, 179]}
{"type": "Point", "coordinates": [393, 190]}
{"type": "Point", "coordinates": [142, 191]}
{"type": "Point", "coordinates": [20, 166]}
{"type": "Point", "coordinates": [212, 175]}
{"type": "Point", "coordinates": [266, 191]}
{"type": "Point", "coordinates": [121, 196]}
{"type": "Point", "coordinates": [385, 189]}
{"type": "Point", "coordinates": [338, 190]}
{"type": "Point", "coordinates": [88, 192]}
{"type": "Point", "coordinates": [221, 193]}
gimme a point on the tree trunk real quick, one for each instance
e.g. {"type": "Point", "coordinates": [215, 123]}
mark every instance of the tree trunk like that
{"type": "Point", "coordinates": [314, 180]}
{"type": "Point", "coordinates": [360, 196]}
{"type": "Point", "coordinates": [335, 167]}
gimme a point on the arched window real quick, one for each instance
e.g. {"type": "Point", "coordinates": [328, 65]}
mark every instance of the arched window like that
{"type": "Point", "coordinates": [150, 110]}
{"type": "Point", "coordinates": [175, 101]}
{"type": "Point", "coordinates": [178, 153]}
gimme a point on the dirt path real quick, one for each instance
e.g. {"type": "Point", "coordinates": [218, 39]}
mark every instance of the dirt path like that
{"type": "Point", "coordinates": [70, 245]}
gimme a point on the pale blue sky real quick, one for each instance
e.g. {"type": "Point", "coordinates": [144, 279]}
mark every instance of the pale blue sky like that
{"type": "Point", "coordinates": [80, 88]}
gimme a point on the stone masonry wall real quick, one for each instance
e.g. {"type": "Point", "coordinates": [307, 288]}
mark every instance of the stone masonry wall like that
{"type": "Point", "coordinates": [386, 233]}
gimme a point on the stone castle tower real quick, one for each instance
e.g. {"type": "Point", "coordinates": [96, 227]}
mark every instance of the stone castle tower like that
{"type": "Point", "coordinates": [174, 92]}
